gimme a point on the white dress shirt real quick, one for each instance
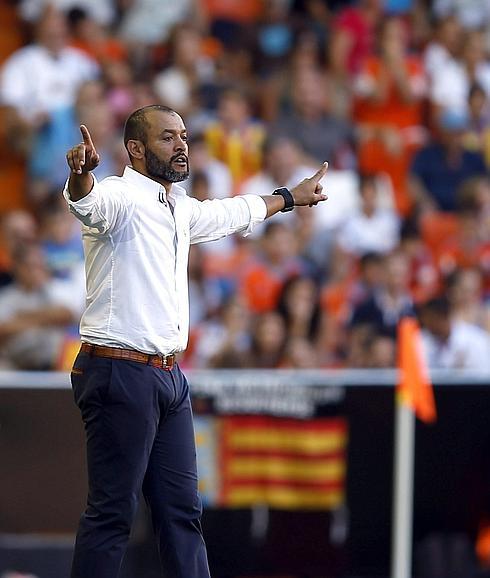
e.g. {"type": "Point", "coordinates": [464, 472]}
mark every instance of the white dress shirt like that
{"type": "Point", "coordinates": [136, 251]}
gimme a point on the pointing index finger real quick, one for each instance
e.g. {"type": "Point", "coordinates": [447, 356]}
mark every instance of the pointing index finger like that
{"type": "Point", "coordinates": [87, 139]}
{"type": "Point", "coordinates": [321, 172]}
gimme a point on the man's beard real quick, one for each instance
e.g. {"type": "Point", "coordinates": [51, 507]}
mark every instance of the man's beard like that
{"type": "Point", "coordinates": [163, 170]}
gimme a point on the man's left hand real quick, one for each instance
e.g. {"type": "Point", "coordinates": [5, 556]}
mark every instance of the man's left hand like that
{"type": "Point", "coordinates": [310, 192]}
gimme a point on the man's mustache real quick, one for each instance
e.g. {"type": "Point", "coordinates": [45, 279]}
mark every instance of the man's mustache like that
{"type": "Point", "coordinates": [179, 157]}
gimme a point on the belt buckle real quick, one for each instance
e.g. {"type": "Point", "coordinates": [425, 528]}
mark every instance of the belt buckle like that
{"type": "Point", "coordinates": [163, 361]}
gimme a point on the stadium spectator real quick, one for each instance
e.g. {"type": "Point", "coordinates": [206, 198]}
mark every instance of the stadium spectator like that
{"type": "Point", "coordinates": [93, 38]}
{"type": "Point", "coordinates": [354, 33]}
{"type": "Point", "coordinates": [16, 228]}
{"type": "Point", "coordinates": [472, 67]}
{"type": "Point", "coordinates": [452, 344]}
{"type": "Point", "coordinates": [236, 138]}
{"type": "Point", "coordinates": [283, 164]}
{"type": "Point", "coordinates": [39, 82]}
{"type": "Point", "coordinates": [273, 38]}
{"type": "Point", "coordinates": [41, 79]}
{"type": "Point", "coordinates": [61, 242]}
{"type": "Point", "coordinates": [477, 135]}
{"type": "Point", "coordinates": [148, 22]}
{"type": "Point", "coordinates": [440, 167]}
{"type": "Point", "coordinates": [188, 73]}
{"type": "Point", "coordinates": [276, 261]}
{"type": "Point", "coordinates": [315, 243]}
{"type": "Point", "coordinates": [208, 290]}
{"type": "Point", "coordinates": [299, 353]}
{"type": "Point", "coordinates": [465, 294]}
{"type": "Point", "coordinates": [299, 306]}
{"type": "Point", "coordinates": [35, 313]}
{"type": "Point", "coordinates": [120, 82]}
{"type": "Point", "coordinates": [268, 339]}
{"type": "Point", "coordinates": [381, 352]}
{"type": "Point", "coordinates": [445, 46]}
{"type": "Point", "coordinates": [389, 90]}
{"type": "Point", "coordinates": [229, 20]}
{"type": "Point", "coordinates": [424, 275]}
{"type": "Point", "coordinates": [335, 303]}
{"type": "Point", "coordinates": [390, 301]}
{"type": "Point", "coordinates": [224, 339]}
{"type": "Point", "coordinates": [372, 229]}
{"type": "Point", "coordinates": [220, 183]}
{"type": "Point", "coordinates": [469, 244]}
{"type": "Point", "coordinates": [313, 126]}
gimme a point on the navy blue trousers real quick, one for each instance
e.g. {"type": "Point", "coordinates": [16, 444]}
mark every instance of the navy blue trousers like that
{"type": "Point", "coordinates": [140, 437]}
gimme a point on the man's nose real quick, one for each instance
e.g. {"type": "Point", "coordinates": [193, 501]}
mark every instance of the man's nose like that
{"type": "Point", "coordinates": [180, 144]}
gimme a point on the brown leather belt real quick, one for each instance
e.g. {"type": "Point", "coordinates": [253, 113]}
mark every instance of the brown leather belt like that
{"type": "Point", "coordinates": [163, 361]}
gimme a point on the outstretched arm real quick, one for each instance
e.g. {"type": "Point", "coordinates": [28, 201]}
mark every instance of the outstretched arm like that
{"type": "Point", "coordinates": [82, 159]}
{"type": "Point", "coordinates": [214, 219]}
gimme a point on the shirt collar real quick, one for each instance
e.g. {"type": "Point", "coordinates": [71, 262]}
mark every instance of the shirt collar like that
{"type": "Point", "coordinates": [147, 184]}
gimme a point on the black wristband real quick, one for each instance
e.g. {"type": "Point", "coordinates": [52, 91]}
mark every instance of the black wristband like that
{"type": "Point", "coordinates": [288, 198]}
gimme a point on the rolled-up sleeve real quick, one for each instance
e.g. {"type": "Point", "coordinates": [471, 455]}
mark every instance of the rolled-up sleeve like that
{"type": "Point", "coordinates": [103, 210]}
{"type": "Point", "coordinates": [217, 218]}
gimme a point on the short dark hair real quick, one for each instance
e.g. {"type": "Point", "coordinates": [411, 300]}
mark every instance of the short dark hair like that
{"type": "Point", "coordinates": [439, 306]}
{"type": "Point", "coordinates": [137, 125]}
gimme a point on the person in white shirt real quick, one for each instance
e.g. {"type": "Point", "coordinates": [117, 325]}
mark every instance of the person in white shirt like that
{"type": "Point", "coordinates": [42, 78]}
{"type": "Point", "coordinates": [133, 398]}
{"type": "Point", "coordinates": [450, 343]}
{"type": "Point", "coordinates": [372, 228]}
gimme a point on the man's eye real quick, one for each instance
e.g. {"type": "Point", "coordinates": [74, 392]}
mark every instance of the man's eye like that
{"type": "Point", "coordinates": [167, 138]}
{"type": "Point", "coordinates": [184, 137]}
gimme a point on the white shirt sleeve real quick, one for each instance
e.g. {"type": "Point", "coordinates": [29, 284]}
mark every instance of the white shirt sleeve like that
{"type": "Point", "coordinates": [213, 219]}
{"type": "Point", "coordinates": [104, 209]}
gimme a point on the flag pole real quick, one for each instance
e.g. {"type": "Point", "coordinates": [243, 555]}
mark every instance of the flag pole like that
{"type": "Point", "coordinates": [402, 511]}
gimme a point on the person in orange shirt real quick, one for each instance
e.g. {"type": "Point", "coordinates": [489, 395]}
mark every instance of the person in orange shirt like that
{"type": "Point", "coordinates": [227, 18]}
{"type": "Point", "coordinates": [91, 37]}
{"type": "Point", "coordinates": [389, 106]}
{"type": "Point", "coordinates": [276, 262]}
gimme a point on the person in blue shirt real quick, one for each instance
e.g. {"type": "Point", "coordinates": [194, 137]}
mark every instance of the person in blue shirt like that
{"type": "Point", "coordinates": [439, 168]}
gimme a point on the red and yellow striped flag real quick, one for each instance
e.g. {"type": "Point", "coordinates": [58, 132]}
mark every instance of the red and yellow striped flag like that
{"type": "Point", "coordinates": [283, 463]}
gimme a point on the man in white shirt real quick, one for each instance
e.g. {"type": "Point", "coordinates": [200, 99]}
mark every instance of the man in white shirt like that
{"type": "Point", "coordinates": [132, 395]}
{"type": "Point", "coordinates": [42, 78]}
{"type": "Point", "coordinates": [450, 343]}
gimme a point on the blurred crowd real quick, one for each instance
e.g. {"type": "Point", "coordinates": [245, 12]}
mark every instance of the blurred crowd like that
{"type": "Point", "coordinates": [395, 94]}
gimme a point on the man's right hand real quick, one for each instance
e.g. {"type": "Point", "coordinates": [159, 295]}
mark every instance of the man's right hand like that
{"type": "Point", "coordinates": [83, 157]}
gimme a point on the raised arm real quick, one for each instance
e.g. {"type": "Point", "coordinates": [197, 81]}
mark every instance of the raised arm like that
{"type": "Point", "coordinates": [82, 159]}
{"type": "Point", "coordinates": [101, 207]}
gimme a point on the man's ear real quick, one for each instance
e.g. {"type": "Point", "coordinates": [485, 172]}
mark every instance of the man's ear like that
{"type": "Point", "coordinates": [136, 149]}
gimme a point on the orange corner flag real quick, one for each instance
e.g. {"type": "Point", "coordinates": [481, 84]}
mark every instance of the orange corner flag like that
{"type": "Point", "coordinates": [414, 386]}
